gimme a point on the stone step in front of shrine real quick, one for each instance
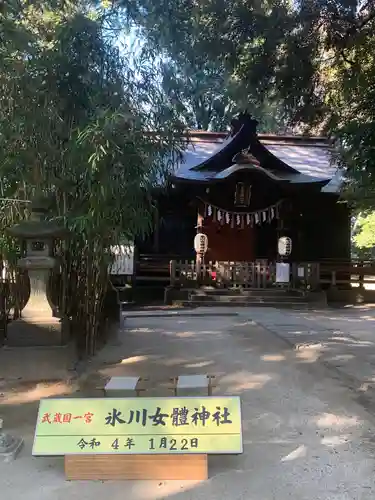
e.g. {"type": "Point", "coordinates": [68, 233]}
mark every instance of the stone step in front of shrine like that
{"type": "Point", "coordinates": [292, 305]}
{"type": "Point", "coordinates": [248, 298]}
{"type": "Point", "coordinates": [248, 292]}
{"type": "Point", "coordinates": [256, 298]}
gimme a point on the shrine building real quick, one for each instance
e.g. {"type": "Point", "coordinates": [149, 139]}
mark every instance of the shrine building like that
{"type": "Point", "coordinates": [244, 191]}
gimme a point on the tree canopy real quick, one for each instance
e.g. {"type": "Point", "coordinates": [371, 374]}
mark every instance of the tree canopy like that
{"type": "Point", "coordinates": [276, 48]}
{"type": "Point", "coordinates": [196, 70]}
{"type": "Point", "coordinates": [364, 235]}
{"type": "Point", "coordinates": [309, 62]}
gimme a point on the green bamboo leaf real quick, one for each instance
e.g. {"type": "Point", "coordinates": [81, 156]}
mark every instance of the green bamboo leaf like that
{"type": "Point", "coordinates": [66, 131]}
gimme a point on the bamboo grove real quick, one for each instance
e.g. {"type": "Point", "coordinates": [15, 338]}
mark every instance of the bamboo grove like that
{"type": "Point", "coordinates": [75, 118]}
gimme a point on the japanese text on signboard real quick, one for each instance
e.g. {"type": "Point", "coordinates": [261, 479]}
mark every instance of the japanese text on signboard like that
{"type": "Point", "coordinates": [139, 425]}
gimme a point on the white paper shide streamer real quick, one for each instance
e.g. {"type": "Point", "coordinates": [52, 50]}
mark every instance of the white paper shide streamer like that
{"type": "Point", "coordinates": [240, 219]}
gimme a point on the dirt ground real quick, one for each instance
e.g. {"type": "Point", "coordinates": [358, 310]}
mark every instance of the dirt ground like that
{"type": "Point", "coordinates": [305, 436]}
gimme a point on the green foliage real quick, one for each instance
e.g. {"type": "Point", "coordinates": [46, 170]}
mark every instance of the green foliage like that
{"type": "Point", "coordinates": [197, 51]}
{"type": "Point", "coordinates": [75, 125]}
{"type": "Point", "coordinates": [364, 236]}
{"type": "Point", "coordinates": [199, 93]}
{"type": "Point", "coordinates": [269, 50]}
{"type": "Point", "coordinates": [312, 62]}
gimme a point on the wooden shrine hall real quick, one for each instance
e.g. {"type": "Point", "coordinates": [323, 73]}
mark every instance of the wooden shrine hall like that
{"type": "Point", "coordinates": [244, 191]}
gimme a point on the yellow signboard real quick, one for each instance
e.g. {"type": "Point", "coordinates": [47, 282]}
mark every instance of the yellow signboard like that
{"type": "Point", "coordinates": [138, 426]}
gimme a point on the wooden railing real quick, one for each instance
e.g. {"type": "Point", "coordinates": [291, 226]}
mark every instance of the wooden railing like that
{"type": "Point", "coordinates": [262, 274]}
{"type": "Point", "coordinates": [344, 274]}
{"type": "Point", "coordinates": [258, 274]}
{"type": "Point", "coordinates": [153, 267]}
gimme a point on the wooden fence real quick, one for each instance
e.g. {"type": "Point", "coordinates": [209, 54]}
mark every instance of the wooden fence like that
{"type": "Point", "coordinates": [262, 274]}
{"type": "Point", "coordinates": [347, 274]}
{"type": "Point", "coordinates": [14, 290]}
{"type": "Point", "coordinates": [259, 274]}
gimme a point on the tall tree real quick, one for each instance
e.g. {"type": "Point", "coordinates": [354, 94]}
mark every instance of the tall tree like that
{"type": "Point", "coordinates": [198, 50]}
{"type": "Point", "coordinates": [75, 123]}
{"type": "Point", "coordinates": [200, 93]}
{"type": "Point", "coordinates": [316, 57]}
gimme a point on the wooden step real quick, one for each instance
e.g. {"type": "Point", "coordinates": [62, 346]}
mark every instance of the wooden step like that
{"type": "Point", "coordinates": [248, 303]}
{"type": "Point", "coordinates": [243, 298]}
{"type": "Point", "coordinates": [247, 292]}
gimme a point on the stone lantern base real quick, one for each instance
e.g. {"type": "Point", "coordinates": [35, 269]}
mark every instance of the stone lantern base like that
{"type": "Point", "coordinates": [37, 325]}
{"type": "Point", "coordinates": [10, 446]}
{"type": "Point", "coordinates": [37, 331]}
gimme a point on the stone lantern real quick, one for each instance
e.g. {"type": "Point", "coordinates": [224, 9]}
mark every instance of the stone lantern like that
{"type": "Point", "coordinates": [37, 325]}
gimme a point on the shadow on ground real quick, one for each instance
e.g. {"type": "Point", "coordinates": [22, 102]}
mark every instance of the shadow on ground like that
{"type": "Point", "coordinates": [299, 425]}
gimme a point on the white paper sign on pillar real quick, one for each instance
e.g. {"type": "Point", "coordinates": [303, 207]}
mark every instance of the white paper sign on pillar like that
{"type": "Point", "coordinates": [282, 272]}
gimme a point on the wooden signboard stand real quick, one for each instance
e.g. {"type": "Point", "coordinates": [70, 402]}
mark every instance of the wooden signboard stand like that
{"type": "Point", "coordinates": [128, 467]}
{"type": "Point", "coordinates": [146, 467]}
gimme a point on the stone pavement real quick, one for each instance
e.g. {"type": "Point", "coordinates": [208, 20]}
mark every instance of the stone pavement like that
{"type": "Point", "coordinates": [341, 339]}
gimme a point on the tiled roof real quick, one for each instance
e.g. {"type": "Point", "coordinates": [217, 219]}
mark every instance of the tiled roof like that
{"type": "Point", "coordinates": [309, 160]}
{"type": "Point", "coordinates": [310, 156]}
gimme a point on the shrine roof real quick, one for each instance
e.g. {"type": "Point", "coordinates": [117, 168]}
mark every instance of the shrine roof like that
{"type": "Point", "coordinates": [293, 159]}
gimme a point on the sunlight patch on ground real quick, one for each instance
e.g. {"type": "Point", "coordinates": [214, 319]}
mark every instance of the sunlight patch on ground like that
{"type": "Point", "coordinates": [339, 421]}
{"type": "Point", "coordinates": [368, 318]}
{"type": "Point", "coordinates": [210, 332]}
{"type": "Point", "coordinates": [309, 353]}
{"type": "Point", "coordinates": [299, 452]}
{"type": "Point", "coordinates": [200, 364]}
{"type": "Point", "coordinates": [245, 323]}
{"type": "Point", "coordinates": [185, 335]}
{"type": "Point", "coordinates": [126, 367]}
{"type": "Point", "coordinates": [142, 330]}
{"type": "Point", "coordinates": [242, 381]}
{"type": "Point", "coordinates": [318, 316]}
{"type": "Point", "coordinates": [273, 357]}
{"type": "Point", "coordinates": [36, 393]}
{"type": "Point", "coordinates": [367, 385]}
{"type": "Point", "coordinates": [332, 441]}
{"type": "Point", "coordinates": [353, 341]}
{"type": "Point", "coordinates": [133, 359]}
